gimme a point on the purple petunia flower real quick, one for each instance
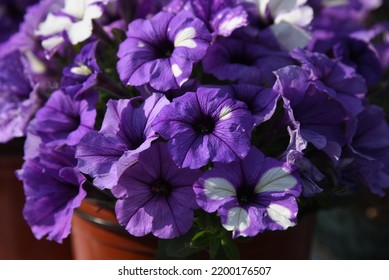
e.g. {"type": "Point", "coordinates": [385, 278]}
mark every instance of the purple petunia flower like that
{"type": "Point", "coordinates": [220, 16]}
{"type": "Point", "coordinates": [42, 72]}
{"type": "Point", "coordinates": [161, 51]}
{"type": "Point", "coordinates": [64, 120]}
{"type": "Point", "coordinates": [71, 24]}
{"type": "Point", "coordinates": [382, 46]}
{"type": "Point", "coordinates": [82, 74]}
{"type": "Point", "coordinates": [352, 48]}
{"type": "Point", "coordinates": [338, 80]}
{"type": "Point", "coordinates": [294, 155]}
{"type": "Point", "coordinates": [370, 150]}
{"type": "Point", "coordinates": [207, 125]}
{"type": "Point", "coordinates": [126, 131]}
{"type": "Point", "coordinates": [156, 196]}
{"type": "Point", "coordinates": [360, 55]}
{"type": "Point", "coordinates": [190, 85]}
{"type": "Point", "coordinates": [18, 97]}
{"type": "Point", "coordinates": [252, 195]}
{"type": "Point", "coordinates": [10, 17]}
{"type": "Point", "coordinates": [52, 185]}
{"type": "Point", "coordinates": [25, 39]}
{"type": "Point", "coordinates": [144, 8]}
{"type": "Point", "coordinates": [343, 17]}
{"type": "Point", "coordinates": [317, 118]}
{"type": "Point", "coordinates": [239, 61]}
{"type": "Point", "coordinates": [261, 102]}
{"type": "Point", "coordinates": [288, 20]}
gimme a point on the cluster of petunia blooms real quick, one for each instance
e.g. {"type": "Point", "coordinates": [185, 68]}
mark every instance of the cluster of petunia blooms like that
{"type": "Point", "coordinates": [194, 117]}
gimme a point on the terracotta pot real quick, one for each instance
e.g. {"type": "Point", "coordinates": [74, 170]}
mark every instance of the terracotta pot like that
{"type": "Point", "coordinates": [16, 240]}
{"type": "Point", "coordinates": [97, 235]}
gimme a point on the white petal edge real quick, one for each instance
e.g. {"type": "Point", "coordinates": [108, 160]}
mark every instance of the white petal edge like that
{"type": "Point", "coordinates": [237, 220]}
{"type": "Point", "coordinates": [281, 215]}
{"type": "Point", "coordinates": [36, 65]}
{"type": "Point", "coordinates": [184, 38]}
{"type": "Point", "coordinates": [81, 70]}
{"type": "Point", "coordinates": [301, 16]}
{"type": "Point", "coordinates": [93, 11]}
{"type": "Point", "coordinates": [275, 179]}
{"type": "Point", "coordinates": [80, 31]}
{"type": "Point", "coordinates": [52, 42]}
{"type": "Point", "coordinates": [176, 70]}
{"type": "Point", "coordinates": [218, 189]}
{"type": "Point", "coordinates": [277, 7]}
{"type": "Point", "coordinates": [333, 3]}
{"type": "Point", "coordinates": [225, 113]}
{"type": "Point", "coordinates": [75, 8]}
{"type": "Point", "coordinates": [227, 26]}
{"type": "Point", "coordinates": [53, 25]}
{"type": "Point", "coordinates": [290, 36]}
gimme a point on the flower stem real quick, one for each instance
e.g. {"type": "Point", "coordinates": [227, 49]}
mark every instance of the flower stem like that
{"type": "Point", "coordinates": [112, 87]}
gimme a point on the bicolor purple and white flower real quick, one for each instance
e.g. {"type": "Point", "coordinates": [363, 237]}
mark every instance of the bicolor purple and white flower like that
{"type": "Point", "coordinates": [81, 76]}
{"type": "Point", "coordinates": [222, 17]}
{"type": "Point", "coordinates": [155, 196]}
{"type": "Point", "coordinates": [161, 51]}
{"type": "Point", "coordinates": [252, 195]}
{"type": "Point", "coordinates": [205, 126]}
{"type": "Point", "coordinates": [25, 40]}
{"type": "Point", "coordinates": [53, 188]}
{"type": "Point", "coordinates": [43, 73]}
{"type": "Point", "coordinates": [288, 20]}
{"type": "Point", "coordinates": [126, 131]}
{"type": "Point", "coordinates": [72, 23]}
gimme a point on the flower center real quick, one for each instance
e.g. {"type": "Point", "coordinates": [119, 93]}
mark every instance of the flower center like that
{"type": "Point", "coordinates": [205, 125]}
{"type": "Point", "coordinates": [166, 49]}
{"type": "Point", "coordinates": [76, 122]}
{"type": "Point", "coordinates": [245, 195]}
{"type": "Point", "coordinates": [241, 58]}
{"type": "Point", "coordinates": [161, 187]}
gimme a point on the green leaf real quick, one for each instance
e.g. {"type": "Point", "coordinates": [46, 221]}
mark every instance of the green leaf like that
{"type": "Point", "coordinates": [214, 246]}
{"type": "Point", "coordinates": [175, 249]}
{"type": "Point", "coordinates": [178, 248]}
{"type": "Point", "coordinates": [200, 240]}
{"type": "Point", "coordinates": [230, 248]}
{"type": "Point", "coordinates": [119, 34]}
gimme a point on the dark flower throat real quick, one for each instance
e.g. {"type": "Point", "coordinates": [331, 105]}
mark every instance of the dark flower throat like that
{"type": "Point", "coordinates": [205, 125]}
{"type": "Point", "coordinates": [161, 187]}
